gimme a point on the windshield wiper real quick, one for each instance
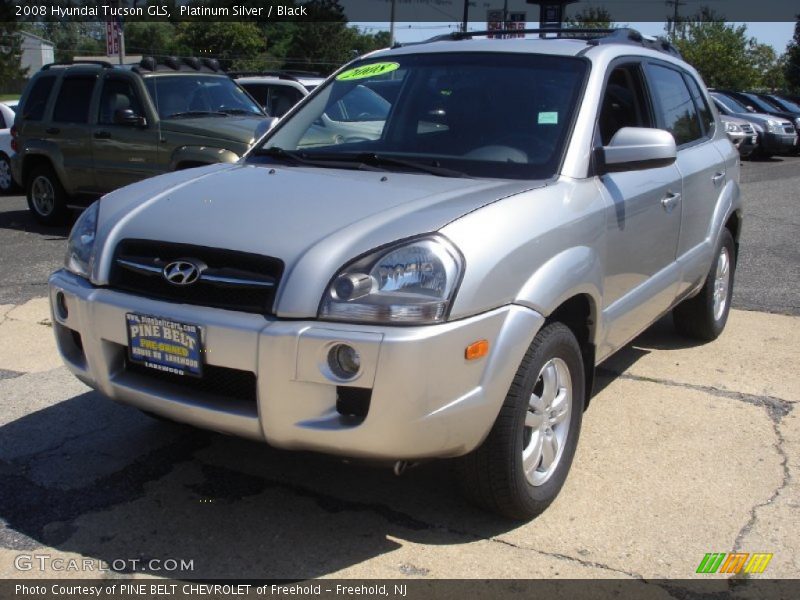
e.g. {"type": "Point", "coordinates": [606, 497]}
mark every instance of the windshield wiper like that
{"type": "Point", "coordinates": [238, 111]}
{"type": "Point", "coordinates": [300, 157]}
{"type": "Point", "coordinates": [374, 159]}
{"type": "Point", "coordinates": [196, 113]}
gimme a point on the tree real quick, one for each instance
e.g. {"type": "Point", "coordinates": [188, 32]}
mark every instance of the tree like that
{"type": "Point", "coordinates": [591, 18]}
{"type": "Point", "coordinates": [768, 67]}
{"type": "Point", "coordinates": [792, 69]}
{"type": "Point", "coordinates": [721, 52]}
{"type": "Point", "coordinates": [324, 41]}
{"type": "Point", "coordinates": [10, 48]}
{"type": "Point", "coordinates": [232, 43]}
{"type": "Point", "coordinates": [151, 39]}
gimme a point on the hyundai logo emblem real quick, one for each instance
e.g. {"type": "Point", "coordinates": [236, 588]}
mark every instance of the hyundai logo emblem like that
{"type": "Point", "coordinates": [182, 272]}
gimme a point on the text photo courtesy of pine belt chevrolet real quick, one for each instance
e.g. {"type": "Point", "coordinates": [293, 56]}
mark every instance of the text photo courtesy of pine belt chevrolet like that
{"type": "Point", "coordinates": [441, 286]}
{"type": "Point", "coordinates": [89, 128]}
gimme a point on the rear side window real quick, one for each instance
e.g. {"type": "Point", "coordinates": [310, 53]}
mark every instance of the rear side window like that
{"type": "Point", "coordinates": [674, 105]}
{"type": "Point", "coordinates": [74, 97]}
{"type": "Point", "coordinates": [706, 116]}
{"type": "Point", "coordinates": [36, 101]}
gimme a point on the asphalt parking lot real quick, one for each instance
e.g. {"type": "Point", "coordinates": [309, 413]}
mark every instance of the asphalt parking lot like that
{"type": "Point", "coordinates": [686, 449]}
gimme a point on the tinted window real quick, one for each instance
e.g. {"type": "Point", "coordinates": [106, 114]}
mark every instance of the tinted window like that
{"type": "Point", "coordinates": [118, 94]}
{"type": "Point", "coordinates": [178, 96]}
{"type": "Point", "coordinates": [676, 110]}
{"type": "Point", "coordinates": [706, 116]}
{"type": "Point", "coordinates": [72, 103]}
{"type": "Point", "coordinates": [731, 104]}
{"type": "Point", "coordinates": [623, 103]}
{"type": "Point", "coordinates": [259, 92]}
{"type": "Point", "coordinates": [36, 101]}
{"type": "Point", "coordinates": [3, 122]}
{"type": "Point", "coordinates": [281, 99]}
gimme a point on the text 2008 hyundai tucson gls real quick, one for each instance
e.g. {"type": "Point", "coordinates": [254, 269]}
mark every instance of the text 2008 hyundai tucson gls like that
{"type": "Point", "coordinates": [426, 258]}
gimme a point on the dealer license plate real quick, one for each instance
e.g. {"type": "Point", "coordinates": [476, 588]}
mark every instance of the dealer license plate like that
{"type": "Point", "coordinates": [164, 345]}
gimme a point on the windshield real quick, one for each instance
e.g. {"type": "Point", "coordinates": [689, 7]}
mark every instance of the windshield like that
{"type": "Point", "coordinates": [785, 104]}
{"type": "Point", "coordinates": [176, 96]}
{"type": "Point", "coordinates": [729, 103]}
{"type": "Point", "coordinates": [758, 103]}
{"type": "Point", "coordinates": [476, 114]}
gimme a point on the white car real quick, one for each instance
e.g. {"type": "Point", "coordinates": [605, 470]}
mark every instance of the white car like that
{"type": "Point", "coordinates": [7, 112]}
{"type": "Point", "coordinates": [279, 91]}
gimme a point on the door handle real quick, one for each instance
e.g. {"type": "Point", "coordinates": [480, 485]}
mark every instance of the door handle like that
{"type": "Point", "coordinates": [102, 135]}
{"type": "Point", "coordinates": [52, 130]}
{"type": "Point", "coordinates": [670, 201]}
{"type": "Point", "coordinates": [717, 177]}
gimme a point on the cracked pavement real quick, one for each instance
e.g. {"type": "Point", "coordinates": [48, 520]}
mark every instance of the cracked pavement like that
{"type": "Point", "coordinates": [686, 449]}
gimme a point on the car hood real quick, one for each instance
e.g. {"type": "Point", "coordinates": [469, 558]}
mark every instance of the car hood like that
{"type": "Point", "coordinates": [315, 220]}
{"type": "Point", "coordinates": [760, 118]}
{"type": "Point", "coordinates": [240, 129]}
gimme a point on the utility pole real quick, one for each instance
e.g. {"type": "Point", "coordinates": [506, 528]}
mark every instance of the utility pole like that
{"type": "Point", "coordinates": [676, 4]}
{"type": "Point", "coordinates": [466, 16]}
{"type": "Point", "coordinates": [120, 35]}
{"type": "Point", "coordinates": [391, 26]}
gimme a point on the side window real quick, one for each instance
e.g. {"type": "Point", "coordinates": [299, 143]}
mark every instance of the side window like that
{"type": "Point", "coordinates": [259, 93]}
{"type": "Point", "coordinates": [72, 103]}
{"type": "Point", "coordinates": [281, 99]}
{"type": "Point", "coordinates": [36, 101]}
{"type": "Point", "coordinates": [624, 102]}
{"type": "Point", "coordinates": [3, 122]}
{"type": "Point", "coordinates": [676, 110]}
{"type": "Point", "coordinates": [706, 116]}
{"type": "Point", "coordinates": [118, 94]}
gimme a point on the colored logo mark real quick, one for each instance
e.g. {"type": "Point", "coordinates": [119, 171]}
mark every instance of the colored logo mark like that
{"type": "Point", "coordinates": [734, 562]}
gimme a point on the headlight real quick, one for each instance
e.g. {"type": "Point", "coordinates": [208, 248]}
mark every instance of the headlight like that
{"type": "Point", "coordinates": [775, 126]}
{"type": "Point", "coordinates": [412, 283]}
{"type": "Point", "coordinates": [80, 247]}
{"type": "Point", "coordinates": [797, 122]}
{"type": "Point", "coordinates": [732, 127]}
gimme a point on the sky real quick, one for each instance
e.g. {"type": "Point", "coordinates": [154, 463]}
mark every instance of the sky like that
{"type": "Point", "coordinates": [776, 34]}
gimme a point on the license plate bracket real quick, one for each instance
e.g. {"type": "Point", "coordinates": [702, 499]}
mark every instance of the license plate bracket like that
{"type": "Point", "coordinates": [164, 344]}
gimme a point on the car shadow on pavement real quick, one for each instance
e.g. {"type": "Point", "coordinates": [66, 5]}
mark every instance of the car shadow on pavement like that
{"type": "Point", "coordinates": [21, 220]}
{"type": "Point", "coordinates": [101, 480]}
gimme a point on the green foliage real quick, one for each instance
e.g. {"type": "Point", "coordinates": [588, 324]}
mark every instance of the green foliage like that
{"type": "Point", "coordinates": [151, 39]}
{"type": "Point", "coordinates": [791, 69]}
{"type": "Point", "coordinates": [10, 47]}
{"type": "Point", "coordinates": [591, 18]}
{"type": "Point", "coordinates": [231, 43]}
{"type": "Point", "coordinates": [725, 55]}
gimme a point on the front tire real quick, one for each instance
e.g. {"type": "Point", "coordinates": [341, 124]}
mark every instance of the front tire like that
{"type": "Point", "coordinates": [47, 199]}
{"type": "Point", "coordinates": [703, 317]}
{"type": "Point", "coordinates": [520, 467]}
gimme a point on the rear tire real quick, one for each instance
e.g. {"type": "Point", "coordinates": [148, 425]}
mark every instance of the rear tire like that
{"type": "Point", "coordinates": [703, 317]}
{"type": "Point", "coordinates": [47, 199]}
{"type": "Point", "coordinates": [7, 184]}
{"type": "Point", "coordinates": [520, 467]}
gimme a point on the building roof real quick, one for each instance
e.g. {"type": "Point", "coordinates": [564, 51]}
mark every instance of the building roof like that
{"type": "Point", "coordinates": [33, 36]}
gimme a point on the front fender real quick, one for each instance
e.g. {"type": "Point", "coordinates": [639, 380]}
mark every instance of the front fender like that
{"type": "Point", "coordinates": [200, 155]}
{"type": "Point", "coordinates": [575, 271]}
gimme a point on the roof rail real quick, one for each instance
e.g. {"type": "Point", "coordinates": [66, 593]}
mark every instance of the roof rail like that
{"type": "Point", "coordinates": [150, 64]}
{"type": "Point", "coordinates": [101, 63]}
{"type": "Point", "coordinates": [281, 73]}
{"type": "Point", "coordinates": [622, 35]}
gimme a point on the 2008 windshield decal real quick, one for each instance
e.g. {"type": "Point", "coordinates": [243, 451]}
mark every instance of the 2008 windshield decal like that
{"type": "Point", "coordinates": [368, 71]}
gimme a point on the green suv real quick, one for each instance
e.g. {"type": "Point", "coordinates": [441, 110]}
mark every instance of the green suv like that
{"type": "Point", "coordinates": [87, 128]}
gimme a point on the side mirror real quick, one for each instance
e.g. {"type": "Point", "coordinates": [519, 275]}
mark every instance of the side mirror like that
{"type": "Point", "coordinates": [750, 108]}
{"type": "Point", "coordinates": [126, 116]}
{"type": "Point", "coordinates": [636, 148]}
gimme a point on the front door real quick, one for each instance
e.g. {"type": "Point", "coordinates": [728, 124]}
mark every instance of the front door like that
{"type": "Point", "coordinates": [123, 153]}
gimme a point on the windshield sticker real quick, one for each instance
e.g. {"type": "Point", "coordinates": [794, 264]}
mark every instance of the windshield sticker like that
{"type": "Point", "coordinates": [372, 70]}
{"type": "Point", "coordinates": [548, 118]}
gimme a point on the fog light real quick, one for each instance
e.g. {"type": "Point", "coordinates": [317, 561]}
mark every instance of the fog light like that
{"type": "Point", "coordinates": [344, 361]}
{"type": "Point", "coordinates": [61, 306]}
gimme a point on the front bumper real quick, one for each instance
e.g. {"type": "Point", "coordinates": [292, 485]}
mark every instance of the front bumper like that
{"type": "Point", "coordinates": [426, 399]}
{"type": "Point", "coordinates": [778, 142]}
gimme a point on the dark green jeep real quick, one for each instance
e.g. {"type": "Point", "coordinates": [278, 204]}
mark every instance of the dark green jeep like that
{"type": "Point", "coordinates": [87, 128]}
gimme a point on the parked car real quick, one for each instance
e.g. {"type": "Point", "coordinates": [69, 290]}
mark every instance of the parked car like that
{"type": "Point", "coordinates": [88, 128]}
{"type": "Point", "coordinates": [442, 290]}
{"type": "Point", "coordinates": [755, 102]}
{"type": "Point", "coordinates": [783, 104]}
{"type": "Point", "coordinates": [775, 135]}
{"type": "Point", "coordinates": [278, 91]}
{"type": "Point", "coordinates": [7, 110]}
{"type": "Point", "coordinates": [741, 133]}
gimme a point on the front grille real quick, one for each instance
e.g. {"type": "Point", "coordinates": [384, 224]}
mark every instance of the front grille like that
{"type": "Point", "coordinates": [231, 279]}
{"type": "Point", "coordinates": [788, 128]}
{"type": "Point", "coordinates": [220, 382]}
{"type": "Point", "coordinates": [747, 128]}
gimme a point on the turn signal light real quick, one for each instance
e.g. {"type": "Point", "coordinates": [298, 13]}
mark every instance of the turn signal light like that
{"type": "Point", "coordinates": [477, 350]}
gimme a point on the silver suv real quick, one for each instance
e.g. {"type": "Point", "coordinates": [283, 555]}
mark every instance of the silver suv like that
{"type": "Point", "coordinates": [441, 285]}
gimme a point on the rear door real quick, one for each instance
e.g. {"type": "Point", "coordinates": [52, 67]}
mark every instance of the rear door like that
{"type": "Point", "coordinates": [69, 129]}
{"type": "Point", "coordinates": [124, 153]}
{"type": "Point", "coordinates": [643, 218]}
{"type": "Point", "coordinates": [683, 111]}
